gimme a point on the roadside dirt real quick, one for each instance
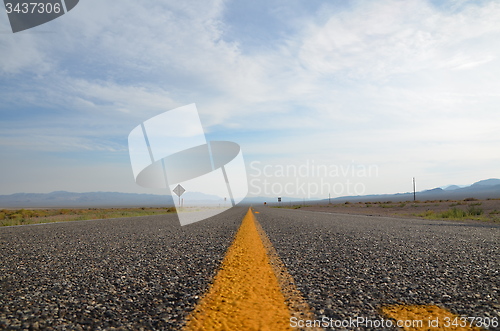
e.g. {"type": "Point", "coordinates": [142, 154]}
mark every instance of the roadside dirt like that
{"type": "Point", "coordinates": [486, 210]}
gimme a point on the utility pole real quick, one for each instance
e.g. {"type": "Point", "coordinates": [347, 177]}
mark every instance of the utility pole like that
{"type": "Point", "coordinates": [414, 193]}
{"type": "Point", "coordinates": [329, 202]}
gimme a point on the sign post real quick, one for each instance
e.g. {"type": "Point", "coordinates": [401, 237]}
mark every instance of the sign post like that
{"type": "Point", "coordinates": [179, 190]}
{"type": "Point", "coordinates": [414, 193]}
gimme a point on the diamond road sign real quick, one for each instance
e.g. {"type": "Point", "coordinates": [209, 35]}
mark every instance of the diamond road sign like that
{"type": "Point", "coordinates": [179, 190]}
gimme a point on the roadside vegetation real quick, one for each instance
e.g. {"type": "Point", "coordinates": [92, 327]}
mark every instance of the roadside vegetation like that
{"type": "Point", "coordinates": [33, 216]}
{"type": "Point", "coordinates": [487, 210]}
{"type": "Point", "coordinates": [471, 212]}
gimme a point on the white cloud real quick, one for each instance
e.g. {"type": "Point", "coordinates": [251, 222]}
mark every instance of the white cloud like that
{"type": "Point", "coordinates": [20, 53]}
{"type": "Point", "coordinates": [63, 142]}
{"type": "Point", "coordinates": [379, 39]}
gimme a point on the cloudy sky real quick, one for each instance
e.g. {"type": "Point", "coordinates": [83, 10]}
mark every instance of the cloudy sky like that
{"type": "Point", "coordinates": [402, 88]}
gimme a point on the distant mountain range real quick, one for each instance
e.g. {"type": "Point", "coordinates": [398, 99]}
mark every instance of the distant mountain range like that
{"type": "Point", "coordinates": [451, 187]}
{"type": "Point", "coordinates": [484, 189]}
{"type": "Point", "coordinates": [99, 199]}
{"type": "Point", "coordinates": [489, 188]}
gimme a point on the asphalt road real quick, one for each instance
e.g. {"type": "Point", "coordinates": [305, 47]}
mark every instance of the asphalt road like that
{"type": "Point", "coordinates": [348, 266]}
{"type": "Point", "coordinates": [130, 273]}
{"type": "Point", "coordinates": [148, 272]}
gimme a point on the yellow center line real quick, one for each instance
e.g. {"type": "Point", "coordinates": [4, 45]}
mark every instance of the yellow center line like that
{"type": "Point", "coordinates": [254, 291]}
{"type": "Point", "coordinates": [297, 305]}
{"type": "Point", "coordinates": [428, 318]}
{"type": "Point", "coordinates": [245, 294]}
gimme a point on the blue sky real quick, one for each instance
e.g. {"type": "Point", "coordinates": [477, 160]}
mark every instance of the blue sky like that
{"type": "Point", "coordinates": [411, 87]}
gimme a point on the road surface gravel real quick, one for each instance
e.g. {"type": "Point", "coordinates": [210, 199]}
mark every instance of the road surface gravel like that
{"type": "Point", "coordinates": [131, 273]}
{"type": "Point", "coordinates": [149, 272]}
{"type": "Point", "coordinates": [351, 265]}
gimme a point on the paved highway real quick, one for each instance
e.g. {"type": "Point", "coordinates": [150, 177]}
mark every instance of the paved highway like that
{"type": "Point", "coordinates": [148, 272]}
{"type": "Point", "coordinates": [352, 266]}
{"type": "Point", "coordinates": [125, 273]}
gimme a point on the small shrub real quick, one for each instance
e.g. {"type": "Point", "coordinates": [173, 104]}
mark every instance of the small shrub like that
{"type": "Point", "coordinates": [470, 199]}
{"type": "Point", "coordinates": [472, 210]}
{"type": "Point", "coordinates": [453, 213]}
{"type": "Point", "coordinates": [428, 213]}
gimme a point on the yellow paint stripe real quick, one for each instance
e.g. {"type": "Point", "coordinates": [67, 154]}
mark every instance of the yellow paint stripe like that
{"type": "Point", "coordinates": [297, 305]}
{"type": "Point", "coordinates": [253, 291]}
{"type": "Point", "coordinates": [245, 294]}
{"type": "Point", "coordinates": [429, 318]}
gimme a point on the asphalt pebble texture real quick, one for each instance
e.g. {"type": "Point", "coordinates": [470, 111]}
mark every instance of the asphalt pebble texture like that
{"type": "Point", "coordinates": [140, 273]}
{"type": "Point", "coordinates": [148, 273]}
{"type": "Point", "coordinates": [348, 265]}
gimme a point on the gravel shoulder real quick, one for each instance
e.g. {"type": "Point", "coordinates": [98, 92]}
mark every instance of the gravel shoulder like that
{"type": "Point", "coordinates": [352, 265]}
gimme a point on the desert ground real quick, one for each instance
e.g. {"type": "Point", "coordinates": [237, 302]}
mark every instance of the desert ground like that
{"type": "Point", "coordinates": [467, 209]}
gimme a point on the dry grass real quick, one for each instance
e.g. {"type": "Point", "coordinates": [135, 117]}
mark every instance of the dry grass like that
{"type": "Point", "coordinates": [467, 209]}
{"type": "Point", "coordinates": [34, 216]}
